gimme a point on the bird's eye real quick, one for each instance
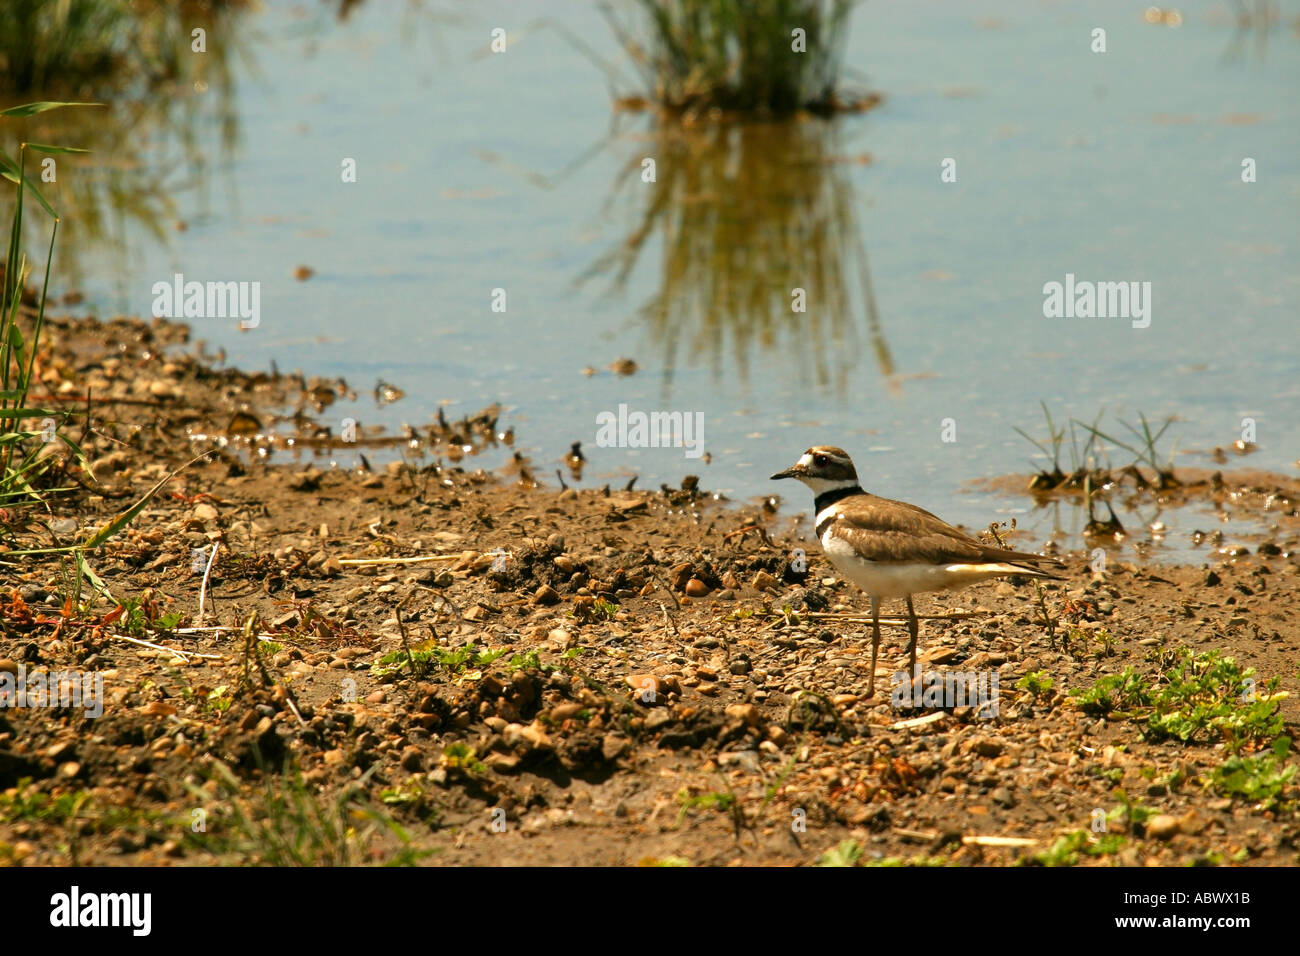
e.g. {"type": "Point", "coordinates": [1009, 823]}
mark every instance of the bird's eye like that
{"type": "Point", "coordinates": [819, 459]}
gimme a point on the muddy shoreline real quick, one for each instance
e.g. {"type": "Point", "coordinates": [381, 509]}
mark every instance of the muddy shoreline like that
{"type": "Point", "coordinates": [509, 673]}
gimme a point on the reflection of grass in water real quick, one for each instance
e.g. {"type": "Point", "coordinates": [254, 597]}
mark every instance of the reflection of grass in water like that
{"type": "Point", "coordinates": [98, 47]}
{"type": "Point", "coordinates": [746, 213]}
{"type": "Point", "coordinates": [163, 100]}
{"type": "Point", "coordinates": [737, 55]}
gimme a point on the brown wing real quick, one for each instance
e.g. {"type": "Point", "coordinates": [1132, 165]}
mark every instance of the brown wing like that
{"type": "Point", "coordinates": [885, 530]}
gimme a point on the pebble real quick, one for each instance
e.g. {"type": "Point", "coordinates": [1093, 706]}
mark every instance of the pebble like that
{"type": "Point", "coordinates": [649, 688]}
{"type": "Point", "coordinates": [658, 718]}
{"type": "Point", "coordinates": [612, 746]}
{"type": "Point", "coordinates": [697, 588]}
{"type": "Point", "coordinates": [1162, 826]}
{"type": "Point", "coordinates": [565, 711]}
{"type": "Point", "coordinates": [537, 737]}
{"type": "Point", "coordinates": [764, 582]}
{"type": "Point", "coordinates": [747, 713]}
{"type": "Point", "coordinates": [501, 762]}
{"type": "Point", "coordinates": [412, 760]}
{"type": "Point", "coordinates": [546, 595]}
{"type": "Point", "coordinates": [746, 759]}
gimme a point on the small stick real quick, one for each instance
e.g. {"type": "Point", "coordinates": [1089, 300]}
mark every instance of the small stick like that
{"type": "Point", "coordinates": [169, 650]}
{"type": "Point", "coordinates": [926, 835]}
{"type": "Point", "coordinates": [668, 620]}
{"type": "Point", "coordinates": [364, 562]}
{"type": "Point", "coordinates": [203, 588]}
{"type": "Point", "coordinates": [919, 721]}
{"type": "Point", "coordinates": [294, 707]}
{"type": "Point", "coordinates": [979, 840]}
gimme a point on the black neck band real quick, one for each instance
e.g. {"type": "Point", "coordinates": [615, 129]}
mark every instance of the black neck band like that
{"type": "Point", "coordinates": [828, 498]}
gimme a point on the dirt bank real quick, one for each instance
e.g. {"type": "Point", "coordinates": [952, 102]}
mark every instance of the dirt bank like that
{"type": "Point", "coordinates": [530, 675]}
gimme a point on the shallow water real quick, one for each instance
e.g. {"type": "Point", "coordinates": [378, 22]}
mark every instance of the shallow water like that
{"type": "Point", "coordinates": [481, 171]}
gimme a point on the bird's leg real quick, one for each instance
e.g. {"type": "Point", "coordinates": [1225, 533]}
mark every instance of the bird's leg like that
{"type": "Point", "coordinates": [875, 645]}
{"type": "Point", "coordinates": [913, 628]}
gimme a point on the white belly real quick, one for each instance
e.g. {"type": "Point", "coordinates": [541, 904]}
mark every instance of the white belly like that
{"type": "Point", "coordinates": [895, 580]}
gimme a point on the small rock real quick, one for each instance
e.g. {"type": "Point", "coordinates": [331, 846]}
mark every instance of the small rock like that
{"type": "Point", "coordinates": [412, 760]}
{"type": "Point", "coordinates": [697, 588]}
{"type": "Point", "coordinates": [746, 759]}
{"type": "Point", "coordinates": [658, 718]}
{"type": "Point", "coordinates": [501, 763]}
{"type": "Point", "coordinates": [205, 512]}
{"type": "Point", "coordinates": [764, 582]}
{"type": "Point", "coordinates": [651, 688]}
{"type": "Point", "coordinates": [747, 713]}
{"type": "Point", "coordinates": [1162, 826]}
{"type": "Point", "coordinates": [612, 745]}
{"type": "Point", "coordinates": [537, 737]}
{"type": "Point", "coordinates": [546, 595]}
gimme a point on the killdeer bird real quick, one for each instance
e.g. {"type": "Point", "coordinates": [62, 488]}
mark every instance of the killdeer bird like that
{"type": "Point", "coordinates": [891, 549]}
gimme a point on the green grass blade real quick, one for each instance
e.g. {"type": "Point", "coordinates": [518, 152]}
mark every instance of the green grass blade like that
{"type": "Point", "coordinates": [27, 109]}
{"type": "Point", "coordinates": [127, 516]}
{"type": "Point", "coordinates": [46, 148]}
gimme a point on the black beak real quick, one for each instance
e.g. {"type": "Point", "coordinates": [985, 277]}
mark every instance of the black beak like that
{"type": "Point", "coordinates": [788, 473]}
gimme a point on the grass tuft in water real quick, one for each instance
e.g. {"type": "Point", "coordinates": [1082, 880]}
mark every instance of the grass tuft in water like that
{"type": "Point", "coordinates": [770, 57]}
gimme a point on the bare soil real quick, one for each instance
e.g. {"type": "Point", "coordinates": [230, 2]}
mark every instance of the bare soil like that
{"type": "Point", "coordinates": [674, 684]}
